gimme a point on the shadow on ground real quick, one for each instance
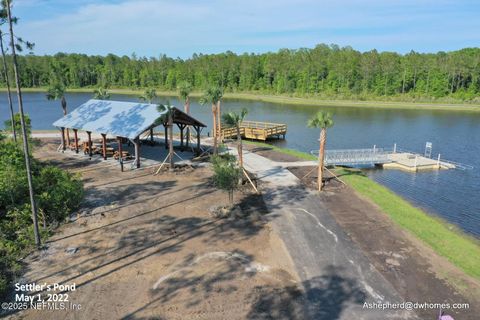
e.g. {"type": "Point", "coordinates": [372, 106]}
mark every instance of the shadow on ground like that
{"type": "Point", "coordinates": [322, 298]}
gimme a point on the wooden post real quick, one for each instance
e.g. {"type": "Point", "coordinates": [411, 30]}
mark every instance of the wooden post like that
{"type": "Point", "coordinates": [151, 136]}
{"type": "Point", "coordinates": [63, 139]}
{"type": "Point", "coordinates": [89, 143]}
{"type": "Point", "coordinates": [188, 136]}
{"type": "Point", "coordinates": [166, 136]}
{"type": "Point", "coordinates": [170, 141]}
{"type": "Point", "coordinates": [198, 138]}
{"type": "Point", "coordinates": [75, 135]}
{"type": "Point", "coordinates": [67, 136]}
{"type": "Point", "coordinates": [181, 136]}
{"type": "Point", "coordinates": [104, 146]}
{"type": "Point", "coordinates": [137, 151]}
{"type": "Point", "coordinates": [120, 152]}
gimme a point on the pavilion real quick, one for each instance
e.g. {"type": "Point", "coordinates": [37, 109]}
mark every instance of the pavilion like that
{"type": "Point", "coordinates": [123, 120]}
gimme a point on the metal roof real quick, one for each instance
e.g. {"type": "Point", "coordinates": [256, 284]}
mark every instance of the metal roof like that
{"type": "Point", "coordinates": [117, 118]}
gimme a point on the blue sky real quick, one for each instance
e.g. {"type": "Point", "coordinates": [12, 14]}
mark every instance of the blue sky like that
{"type": "Point", "coordinates": [179, 28]}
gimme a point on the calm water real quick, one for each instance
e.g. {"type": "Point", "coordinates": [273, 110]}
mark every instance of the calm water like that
{"type": "Point", "coordinates": [451, 194]}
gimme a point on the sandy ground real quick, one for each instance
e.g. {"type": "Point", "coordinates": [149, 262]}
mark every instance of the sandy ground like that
{"type": "Point", "coordinates": [415, 271]}
{"type": "Point", "coordinates": [147, 247]}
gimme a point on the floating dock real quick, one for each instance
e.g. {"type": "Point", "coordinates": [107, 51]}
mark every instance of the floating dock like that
{"type": "Point", "coordinates": [413, 162]}
{"type": "Point", "coordinates": [389, 159]}
{"type": "Point", "coordinates": [256, 130]}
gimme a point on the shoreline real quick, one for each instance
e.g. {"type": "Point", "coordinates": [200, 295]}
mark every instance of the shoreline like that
{"type": "Point", "coordinates": [394, 249]}
{"type": "Point", "coordinates": [444, 238]}
{"type": "Point", "coordinates": [305, 101]}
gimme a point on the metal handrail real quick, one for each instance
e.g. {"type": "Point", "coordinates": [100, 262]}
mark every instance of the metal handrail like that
{"type": "Point", "coordinates": [458, 165]}
{"type": "Point", "coordinates": [374, 156]}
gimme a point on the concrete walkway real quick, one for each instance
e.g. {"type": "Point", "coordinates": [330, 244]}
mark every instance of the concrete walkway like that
{"type": "Point", "coordinates": [336, 276]}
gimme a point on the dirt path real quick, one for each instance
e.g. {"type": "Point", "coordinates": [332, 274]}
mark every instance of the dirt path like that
{"type": "Point", "coordinates": [146, 247]}
{"type": "Point", "coordinates": [337, 278]}
{"type": "Point", "coordinates": [415, 271]}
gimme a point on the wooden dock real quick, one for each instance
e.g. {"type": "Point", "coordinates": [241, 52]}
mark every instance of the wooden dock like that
{"type": "Point", "coordinates": [256, 130]}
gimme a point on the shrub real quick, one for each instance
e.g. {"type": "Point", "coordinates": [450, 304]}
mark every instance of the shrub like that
{"type": "Point", "coordinates": [18, 125]}
{"type": "Point", "coordinates": [16, 237]}
{"type": "Point", "coordinates": [57, 194]}
{"type": "Point", "coordinates": [226, 174]}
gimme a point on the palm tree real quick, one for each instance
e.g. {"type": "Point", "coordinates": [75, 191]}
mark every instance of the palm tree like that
{"type": "Point", "coordinates": [167, 118]}
{"type": "Point", "coordinates": [184, 90]}
{"type": "Point", "coordinates": [213, 95]}
{"type": "Point", "coordinates": [56, 91]}
{"type": "Point", "coordinates": [22, 122]}
{"type": "Point", "coordinates": [219, 122]}
{"type": "Point", "coordinates": [234, 119]}
{"type": "Point", "coordinates": [101, 94]}
{"type": "Point", "coordinates": [322, 120]}
{"type": "Point", "coordinates": [149, 95]}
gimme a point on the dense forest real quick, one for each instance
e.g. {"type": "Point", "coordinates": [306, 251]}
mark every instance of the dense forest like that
{"type": "Point", "coordinates": [324, 71]}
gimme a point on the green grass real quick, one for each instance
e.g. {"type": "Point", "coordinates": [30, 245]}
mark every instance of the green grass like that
{"type": "Point", "coordinates": [445, 239]}
{"type": "Point", "coordinates": [306, 101]}
{"type": "Point", "coordinates": [449, 242]}
{"type": "Point", "coordinates": [290, 152]}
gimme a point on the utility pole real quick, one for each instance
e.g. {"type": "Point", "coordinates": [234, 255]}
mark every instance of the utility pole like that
{"type": "Point", "coordinates": [24, 130]}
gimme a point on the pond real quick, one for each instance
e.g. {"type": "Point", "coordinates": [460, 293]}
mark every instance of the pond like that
{"type": "Point", "coordinates": [451, 194]}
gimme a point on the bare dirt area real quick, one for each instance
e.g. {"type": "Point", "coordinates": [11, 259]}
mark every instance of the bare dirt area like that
{"type": "Point", "coordinates": [146, 247]}
{"type": "Point", "coordinates": [416, 272]}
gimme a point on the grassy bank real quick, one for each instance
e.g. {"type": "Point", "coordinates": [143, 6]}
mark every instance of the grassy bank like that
{"type": "Point", "coordinates": [462, 250]}
{"type": "Point", "coordinates": [445, 239]}
{"type": "Point", "coordinates": [309, 101]}
{"type": "Point", "coordinates": [291, 152]}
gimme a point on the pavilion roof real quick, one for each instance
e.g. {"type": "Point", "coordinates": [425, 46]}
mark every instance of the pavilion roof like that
{"type": "Point", "coordinates": [119, 118]}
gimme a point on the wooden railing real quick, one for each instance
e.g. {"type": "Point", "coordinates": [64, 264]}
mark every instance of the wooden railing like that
{"type": "Point", "coordinates": [256, 130]}
{"type": "Point", "coordinates": [260, 125]}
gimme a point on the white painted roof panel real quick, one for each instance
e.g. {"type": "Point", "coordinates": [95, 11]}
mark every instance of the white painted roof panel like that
{"type": "Point", "coordinates": [117, 118]}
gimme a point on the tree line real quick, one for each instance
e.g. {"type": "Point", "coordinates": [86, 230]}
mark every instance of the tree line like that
{"type": "Point", "coordinates": [324, 71]}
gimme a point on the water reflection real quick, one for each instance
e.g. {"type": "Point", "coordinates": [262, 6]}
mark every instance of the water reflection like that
{"type": "Point", "coordinates": [451, 194]}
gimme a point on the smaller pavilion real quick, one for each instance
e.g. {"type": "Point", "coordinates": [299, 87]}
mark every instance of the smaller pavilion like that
{"type": "Point", "coordinates": [123, 120]}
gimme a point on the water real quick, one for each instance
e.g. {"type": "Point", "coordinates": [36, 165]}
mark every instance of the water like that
{"type": "Point", "coordinates": [450, 194]}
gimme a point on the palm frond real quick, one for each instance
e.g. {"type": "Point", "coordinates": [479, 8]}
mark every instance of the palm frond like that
{"type": "Point", "coordinates": [231, 118]}
{"type": "Point", "coordinates": [321, 119]}
{"type": "Point", "coordinates": [164, 115]}
{"type": "Point", "coordinates": [55, 91]}
{"type": "Point", "coordinates": [184, 89]}
{"type": "Point", "coordinates": [101, 94]}
{"type": "Point", "coordinates": [234, 118]}
{"type": "Point", "coordinates": [149, 95]}
{"type": "Point", "coordinates": [212, 95]}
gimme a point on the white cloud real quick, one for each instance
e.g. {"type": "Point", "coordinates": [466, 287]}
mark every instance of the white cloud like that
{"type": "Point", "coordinates": [150, 27]}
